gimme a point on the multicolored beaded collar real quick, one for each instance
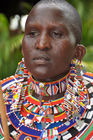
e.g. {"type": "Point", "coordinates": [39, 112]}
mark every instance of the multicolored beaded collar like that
{"type": "Point", "coordinates": [37, 117]}
{"type": "Point", "coordinates": [50, 88]}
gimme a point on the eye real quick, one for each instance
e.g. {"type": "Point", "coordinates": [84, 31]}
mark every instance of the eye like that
{"type": "Point", "coordinates": [57, 34]}
{"type": "Point", "coordinates": [34, 33]}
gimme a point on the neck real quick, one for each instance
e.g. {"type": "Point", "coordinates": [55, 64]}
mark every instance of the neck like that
{"type": "Point", "coordinates": [50, 88]}
{"type": "Point", "coordinates": [58, 77]}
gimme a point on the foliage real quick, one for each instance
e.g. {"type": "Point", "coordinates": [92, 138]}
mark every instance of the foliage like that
{"type": "Point", "coordinates": [8, 45]}
{"type": "Point", "coordinates": [25, 7]}
{"type": "Point", "coordinates": [85, 9]}
{"type": "Point", "coordinates": [88, 59]}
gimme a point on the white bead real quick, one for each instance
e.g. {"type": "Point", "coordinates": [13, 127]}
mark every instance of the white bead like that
{"type": "Point", "coordinates": [88, 106]}
{"type": "Point", "coordinates": [27, 121]}
{"type": "Point", "coordinates": [41, 85]}
{"type": "Point", "coordinates": [67, 123]}
{"type": "Point", "coordinates": [68, 96]}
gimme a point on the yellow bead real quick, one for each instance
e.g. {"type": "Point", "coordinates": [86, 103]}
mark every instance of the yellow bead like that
{"type": "Point", "coordinates": [15, 96]}
{"type": "Point", "coordinates": [22, 121]}
{"type": "Point", "coordinates": [55, 128]}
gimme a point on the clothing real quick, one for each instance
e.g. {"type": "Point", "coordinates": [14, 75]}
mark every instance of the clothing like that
{"type": "Point", "coordinates": [22, 107]}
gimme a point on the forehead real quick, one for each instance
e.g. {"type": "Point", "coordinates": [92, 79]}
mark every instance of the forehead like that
{"type": "Point", "coordinates": [46, 14]}
{"type": "Point", "coordinates": [50, 16]}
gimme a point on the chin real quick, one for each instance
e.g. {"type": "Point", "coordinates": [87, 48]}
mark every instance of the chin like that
{"type": "Point", "coordinates": [40, 77]}
{"type": "Point", "coordinates": [40, 74]}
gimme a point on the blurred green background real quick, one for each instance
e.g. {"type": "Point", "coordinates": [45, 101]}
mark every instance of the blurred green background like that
{"type": "Point", "coordinates": [10, 39]}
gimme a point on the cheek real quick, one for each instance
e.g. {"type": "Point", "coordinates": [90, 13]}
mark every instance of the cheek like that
{"type": "Point", "coordinates": [26, 46]}
{"type": "Point", "coordinates": [63, 48]}
{"type": "Point", "coordinates": [63, 53]}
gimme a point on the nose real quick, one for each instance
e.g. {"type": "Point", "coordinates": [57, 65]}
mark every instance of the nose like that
{"type": "Point", "coordinates": [43, 42]}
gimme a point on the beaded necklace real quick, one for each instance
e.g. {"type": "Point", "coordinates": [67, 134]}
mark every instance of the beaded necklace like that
{"type": "Point", "coordinates": [69, 107]}
{"type": "Point", "coordinates": [54, 115]}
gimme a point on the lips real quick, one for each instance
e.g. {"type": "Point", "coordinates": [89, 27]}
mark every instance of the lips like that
{"type": "Point", "coordinates": [41, 60]}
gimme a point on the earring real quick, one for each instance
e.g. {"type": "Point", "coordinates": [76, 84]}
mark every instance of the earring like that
{"type": "Point", "coordinates": [78, 67]}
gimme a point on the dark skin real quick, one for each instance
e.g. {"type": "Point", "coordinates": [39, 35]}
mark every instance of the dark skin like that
{"type": "Point", "coordinates": [49, 44]}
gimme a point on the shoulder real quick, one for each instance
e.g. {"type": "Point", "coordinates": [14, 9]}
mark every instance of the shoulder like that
{"type": "Point", "coordinates": [11, 88]}
{"type": "Point", "coordinates": [89, 77]}
{"type": "Point", "coordinates": [88, 82]}
{"type": "Point", "coordinates": [18, 77]}
{"type": "Point", "coordinates": [11, 81]}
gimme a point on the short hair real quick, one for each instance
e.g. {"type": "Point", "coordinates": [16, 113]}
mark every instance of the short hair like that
{"type": "Point", "coordinates": [71, 14]}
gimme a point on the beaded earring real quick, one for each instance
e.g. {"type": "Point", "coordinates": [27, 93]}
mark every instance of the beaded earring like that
{"type": "Point", "coordinates": [78, 67]}
{"type": "Point", "coordinates": [76, 94]}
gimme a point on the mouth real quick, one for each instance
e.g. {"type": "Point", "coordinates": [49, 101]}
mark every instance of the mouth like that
{"type": "Point", "coordinates": [41, 60]}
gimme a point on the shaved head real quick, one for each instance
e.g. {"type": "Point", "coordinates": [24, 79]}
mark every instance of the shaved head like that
{"type": "Point", "coordinates": [71, 16]}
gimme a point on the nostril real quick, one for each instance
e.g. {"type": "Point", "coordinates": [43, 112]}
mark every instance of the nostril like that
{"type": "Point", "coordinates": [43, 45]}
{"type": "Point", "coordinates": [42, 48]}
{"type": "Point", "coordinates": [46, 49]}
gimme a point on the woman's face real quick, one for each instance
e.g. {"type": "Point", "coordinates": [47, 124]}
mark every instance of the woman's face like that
{"type": "Point", "coordinates": [48, 45]}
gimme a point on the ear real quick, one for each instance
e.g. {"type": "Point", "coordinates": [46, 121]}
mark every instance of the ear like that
{"type": "Point", "coordinates": [80, 51]}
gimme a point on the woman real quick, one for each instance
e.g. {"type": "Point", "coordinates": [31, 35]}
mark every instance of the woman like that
{"type": "Point", "coordinates": [50, 96]}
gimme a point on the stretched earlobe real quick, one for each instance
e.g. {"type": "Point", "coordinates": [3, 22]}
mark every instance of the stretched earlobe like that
{"type": "Point", "coordinates": [80, 51]}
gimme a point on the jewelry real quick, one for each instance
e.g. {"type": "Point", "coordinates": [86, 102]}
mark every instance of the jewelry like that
{"type": "Point", "coordinates": [47, 119]}
{"type": "Point", "coordinates": [49, 88]}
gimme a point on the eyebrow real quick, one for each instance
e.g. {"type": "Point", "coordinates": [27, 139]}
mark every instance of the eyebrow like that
{"type": "Point", "coordinates": [33, 25]}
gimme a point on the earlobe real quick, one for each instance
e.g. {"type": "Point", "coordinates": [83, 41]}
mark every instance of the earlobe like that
{"type": "Point", "coordinates": [80, 51]}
